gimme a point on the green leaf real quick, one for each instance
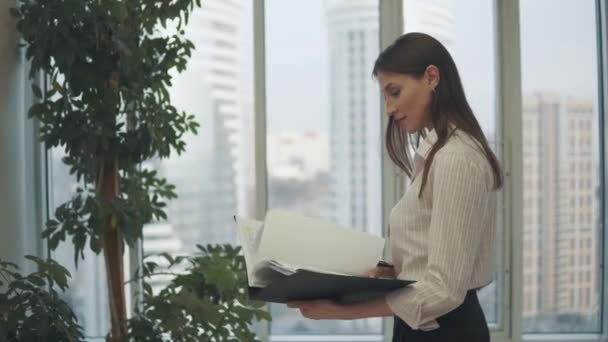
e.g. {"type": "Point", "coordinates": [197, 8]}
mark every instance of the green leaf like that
{"type": "Point", "coordinates": [168, 257]}
{"type": "Point", "coordinates": [257, 304]}
{"type": "Point", "coordinates": [95, 245]}
{"type": "Point", "coordinates": [6, 264]}
{"type": "Point", "coordinates": [36, 110]}
{"type": "Point", "coordinates": [147, 288]}
{"type": "Point", "coordinates": [36, 311]}
{"type": "Point", "coordinates": [60, 276]}
{"type": "Point", "coordinates": [119, 10]}
{"type": "Point", "coordinates": [263, 315]}
{"type": "Point", "coordinates": [52, 223]}
{"type": "Point", "coordinates": [36, 280]}
{"type": "Point", "coordinates": [19, 285]}
{"type": "Point", "coordinates": [54, 241]}
{"type": "Point", "coordinates": [35, 259]}
{"type": "Point", "coordinates": [14, 12]}
{"type": "Point", "coordinates": [36, 90]}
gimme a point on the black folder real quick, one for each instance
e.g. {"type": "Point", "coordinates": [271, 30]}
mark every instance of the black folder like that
{"type": "Point", "coordinates": [309, 285]}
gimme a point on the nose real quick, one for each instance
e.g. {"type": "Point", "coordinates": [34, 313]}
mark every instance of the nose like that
{"type": "Point", "coordinates": [390, 110]}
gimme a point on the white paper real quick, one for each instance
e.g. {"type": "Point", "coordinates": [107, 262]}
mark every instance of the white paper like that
{"type": "Point", "coordinates": [286, 242]}
{"type": "Point", "coordinates": [250, 233]}
{"type": "Point", "coordinates": [317, 244]}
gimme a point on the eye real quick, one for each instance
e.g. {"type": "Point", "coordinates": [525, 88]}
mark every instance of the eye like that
{"type": "Point", "coordinates": [395, 93]}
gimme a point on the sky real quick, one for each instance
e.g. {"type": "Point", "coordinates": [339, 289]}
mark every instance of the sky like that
{"type": "Point", "coordinates": [297, 65]}
{"type": "Point", "coordinates": [558, 40]}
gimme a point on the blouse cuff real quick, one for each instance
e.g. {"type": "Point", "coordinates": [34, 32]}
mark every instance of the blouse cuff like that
{"type": "Point", "coordinates": [405, 307]}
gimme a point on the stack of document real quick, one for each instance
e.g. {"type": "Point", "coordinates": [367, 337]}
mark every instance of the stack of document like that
{"type": "Point", "coordinates": [294, 257]}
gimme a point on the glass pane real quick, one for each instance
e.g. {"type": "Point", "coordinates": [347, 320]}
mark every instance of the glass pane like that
{"type": "Point", "coordinates": [214, 177]}
{"type": "Point", "coordinates": [324, 126]}
{"type": "Point", "coordinates": [466, 29]}
{"type": "Point", "coordinates": [561, 180]}
{"type": "Point", "coordinates": [88, 294]}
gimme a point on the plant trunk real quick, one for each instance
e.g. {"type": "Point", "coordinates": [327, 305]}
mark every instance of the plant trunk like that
{"type": "Point", "coordinates": [113, 251]}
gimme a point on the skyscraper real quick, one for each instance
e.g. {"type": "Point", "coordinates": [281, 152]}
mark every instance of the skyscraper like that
{"type": "Point", "coordinates": [355, 119]}
{"type": "Point", "coordinates": [433, 17]}
{"type": "Point", "coordinates": [561, 213]}
{"type": "Point", "coordinates": [209, 175]}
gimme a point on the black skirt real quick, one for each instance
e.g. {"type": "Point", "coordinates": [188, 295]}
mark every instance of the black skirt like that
{"type": "Point", "coordinates": [465, 323]}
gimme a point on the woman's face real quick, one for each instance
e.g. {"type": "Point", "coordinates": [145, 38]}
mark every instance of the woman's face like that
{"type": "Point", "coordinates": [408, 99]}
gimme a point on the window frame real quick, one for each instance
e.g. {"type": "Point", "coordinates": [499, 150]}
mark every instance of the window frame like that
{"type": "Point", "coordinates": [508, 61]}
{"type": "Point", "coordinates": [509, 124]}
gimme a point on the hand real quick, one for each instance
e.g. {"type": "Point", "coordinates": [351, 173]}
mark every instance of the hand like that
{"type": "Point", "coordinates": [320, 309]}
{"type": "Point", "coordinates": [382, 272]}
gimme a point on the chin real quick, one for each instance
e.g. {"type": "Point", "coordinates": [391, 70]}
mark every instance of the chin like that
{"type": "Point", "coordinates": [410, 129]}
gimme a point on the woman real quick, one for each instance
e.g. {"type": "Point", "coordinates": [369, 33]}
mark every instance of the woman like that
{"type": "Point", "coordinates": [442, 231]}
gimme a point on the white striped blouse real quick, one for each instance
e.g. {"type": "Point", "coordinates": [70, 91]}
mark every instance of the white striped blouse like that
{"type": "Point", "coordinates": [444, 240]}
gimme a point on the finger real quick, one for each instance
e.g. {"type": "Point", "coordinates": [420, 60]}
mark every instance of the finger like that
{"type": "Point", "coordinates": [299, 305]}
{"type": "Point", "coordinates": [307, 314]}
{"type": "Point", "coordinates": [294, 304]}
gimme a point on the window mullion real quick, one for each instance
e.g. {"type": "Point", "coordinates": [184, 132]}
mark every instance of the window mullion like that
{"type": "Point", "coordinates": [509, 102]}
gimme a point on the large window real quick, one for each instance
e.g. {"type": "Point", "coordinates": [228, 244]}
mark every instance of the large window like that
{"type": "Point", "coordinates": [324, 147]}
{"type": "Point", "coordinates": [323, 127]}
{"type": "Point", "coordinates": [562, 191]}
{"type": "Point", "coordinates": [467, 30]}
{"type": "Point", "coordinates": [214, 176]}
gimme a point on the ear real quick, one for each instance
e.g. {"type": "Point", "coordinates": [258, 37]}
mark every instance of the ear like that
{"type": "Point", "coordinates": [432, 76]}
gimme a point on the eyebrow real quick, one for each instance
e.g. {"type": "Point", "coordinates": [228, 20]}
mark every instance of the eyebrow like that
{"type": "Point", "coordinates": [388, 86]}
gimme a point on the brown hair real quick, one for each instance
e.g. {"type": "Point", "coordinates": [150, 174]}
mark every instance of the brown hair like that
{"type": "Point", "coordinates": [411, 54]}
